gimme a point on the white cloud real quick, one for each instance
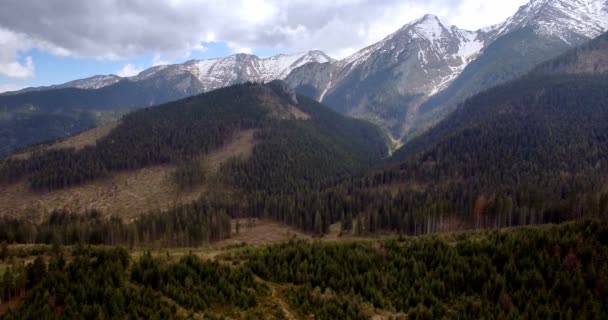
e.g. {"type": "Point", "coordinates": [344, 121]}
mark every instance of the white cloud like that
{"type": "Point", "coordinates": [475, 14]}
{"type": "Point", "coordinates": [237, 48]}
{"type": "Point", "coordinates": [15, 69]}
{"type": "Point", "coordinates": [9, 87]}
{"type": "Point", "coordinates": [11, 44]}
{"type": "Point", "coordinates": [130, 28]}
{"type": "Point", "coordinates": [158, 61]}
{"type": "Point", "coordinates": [129, 70]}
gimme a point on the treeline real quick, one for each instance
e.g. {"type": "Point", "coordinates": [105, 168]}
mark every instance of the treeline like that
{"type": "Point", "coordinates": [360, 210]}
{"type": "Point", "coordinates": [196, 224]}
{"type": "Point", "coordinates": [538, 132]}
{"type": "Point", "coordinates": [365, 207]}
{"type": "Point", "coordinates": [558, 272]}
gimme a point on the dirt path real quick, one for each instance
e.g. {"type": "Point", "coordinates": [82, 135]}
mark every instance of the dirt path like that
{"type": "Point", "coordinates": [278, 299]}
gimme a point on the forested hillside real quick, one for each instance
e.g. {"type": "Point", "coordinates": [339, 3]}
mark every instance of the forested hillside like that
{"type": "Point", "coordinates": [591, 57]}
{"type": "Point", "coordinates": [532, 150]}
{"type": "Point", "coordinates": [551, 272]}
{"type": "Point", "coordinates": [179, 131]}
{"type": "Point", "coordinates": [78, 109]}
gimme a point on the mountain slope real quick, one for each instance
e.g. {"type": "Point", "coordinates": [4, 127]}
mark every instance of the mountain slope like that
{"type": "Point", "coordinates": [94, 82]}
{"type": "Point", "coordinates": [108, 94]}
{"type": "Point", "coordinates": [591, 57]}
{"type": "Point", "coordinates": [414, 77]}
{"type": "Point", "coordinates": [212, 73]}
{"type": "Point", "coordinates": [195, 126]}
{"type": "Point", "coordinates": [539, 141]}
{"type": "Point", "coordinates": [540, 30]}
{"type": "Point", "coordinates": [386, 82]}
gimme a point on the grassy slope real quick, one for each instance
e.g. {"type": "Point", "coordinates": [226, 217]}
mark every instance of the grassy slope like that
{"type": "Point", "coordinates": [126, 194]}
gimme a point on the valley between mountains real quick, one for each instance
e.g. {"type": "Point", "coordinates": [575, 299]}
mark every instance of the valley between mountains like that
{"type": "Point", "coordinates": [440, 173]}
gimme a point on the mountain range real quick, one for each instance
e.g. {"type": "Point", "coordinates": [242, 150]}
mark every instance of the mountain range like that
{"type": "Point", "coordinates": [414, 77]}
{"type": "Point", "coordinates": [210, 74]}
{"type": "Point", "coordinates": [406, 83]}
{"type": "Point", "coordinates": [503, 129]}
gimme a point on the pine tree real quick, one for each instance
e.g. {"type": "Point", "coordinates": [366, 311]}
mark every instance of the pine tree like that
{"type": "Point", "coordinates": [318, 223]}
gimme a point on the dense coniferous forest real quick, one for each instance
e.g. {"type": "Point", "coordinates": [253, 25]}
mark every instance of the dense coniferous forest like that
{"type": "Point", "coordinates": [94, 285]}
{"type": "Point", "coordinates": [550, 272]}
{"type": "Point", "coordinates": [307, 155]}
{"type": "Point", "coordinates": [529, 152]}
{"type": "Point", "coordinates": [197, 284]}
{"type": "Point", "coordinates": [536, 146]}
{"type": "Point", "coordinates": [195, 126]}
{"type": "Point", "coordinates": [560, 272]}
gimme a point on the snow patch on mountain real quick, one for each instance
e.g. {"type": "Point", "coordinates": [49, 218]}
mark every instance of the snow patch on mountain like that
{"type": "Point", "coordinates": [431, 41]}
{"type": "Point", "coordinates": [429, 28]}
{"type": "Point", "coordinates": [94, 82]}
{"type": "Point", "coordinates": [559, 18]}
{"type": "Point", "coordinates": [222, 72]}
{"type": "Point", "coordinates": [211, 73]}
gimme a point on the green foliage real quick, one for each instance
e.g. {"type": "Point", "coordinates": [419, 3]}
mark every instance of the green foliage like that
{"type": "Point", "coordinates": [197, 284]}
{"type": "Point", "coordinates": [92, 286]}
{"type": "Point", "coordinates": [325, 306]}
{"type": "Point", "coordinates": [43, 115]}
{"type": "Point", "coordinates": [527, 273]}
{"type": "Point", "coordinates": [530, 273]}
{"type": "Point", "coordinates": [289, 157]}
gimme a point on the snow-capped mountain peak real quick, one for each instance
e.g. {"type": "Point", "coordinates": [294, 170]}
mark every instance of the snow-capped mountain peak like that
{"type": "Point", "coordinates": [441, 53]}
{"type": "Point", "coordinates": [220, 72]}
{"type": "Point", "coordinates": [197, 76]}
{"type": "Point", "coordinates": [428, 27]}
{"type": "Point", "coordinates": [560, 18]}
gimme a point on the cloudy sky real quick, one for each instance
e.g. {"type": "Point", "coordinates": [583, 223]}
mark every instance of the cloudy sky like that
{"type": "Point", "coordinates": [50, 42]}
